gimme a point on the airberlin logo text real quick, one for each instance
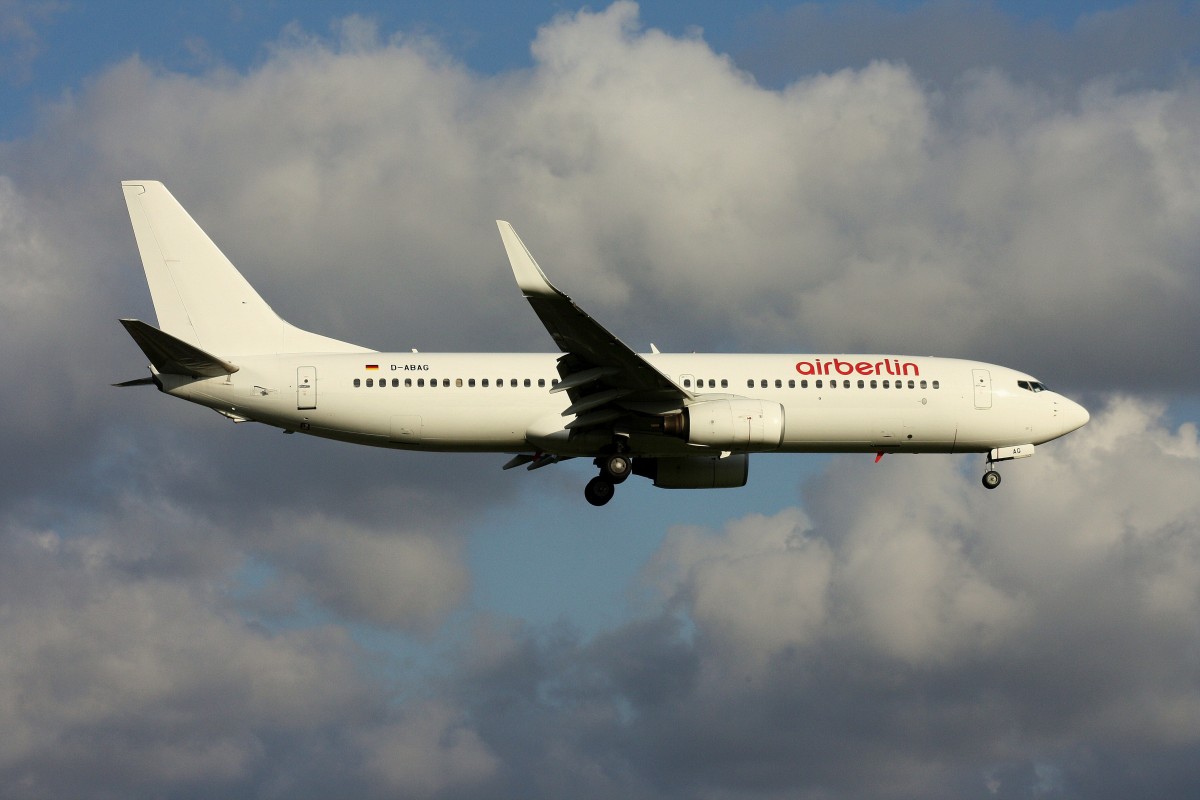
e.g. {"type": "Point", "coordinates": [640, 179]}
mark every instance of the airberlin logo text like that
{"type": "Point", "coordinates": [836, 366]}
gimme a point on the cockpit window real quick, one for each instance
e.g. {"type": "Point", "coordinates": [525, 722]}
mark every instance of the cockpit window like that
{"type": "Point", "coordinates": [1032, 386]}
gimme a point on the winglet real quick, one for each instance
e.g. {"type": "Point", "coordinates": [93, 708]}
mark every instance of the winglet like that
{"type": "Point", "coordinates": [529, 275]}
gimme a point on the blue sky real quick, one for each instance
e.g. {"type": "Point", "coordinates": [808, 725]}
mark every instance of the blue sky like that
{"type": "Point", "coordinates": [194, 608]}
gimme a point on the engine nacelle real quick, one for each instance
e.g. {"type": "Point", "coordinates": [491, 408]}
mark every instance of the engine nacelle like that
{"type": "Point", "coordinates": [695, 472]}
{"type": "Point", "coordinates": [729, 424]}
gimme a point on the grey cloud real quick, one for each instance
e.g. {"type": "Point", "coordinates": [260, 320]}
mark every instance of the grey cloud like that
{"type": "Point", "coordinates": [1142, 43]}
{"type": "Point", "coordinates": [906, 635]}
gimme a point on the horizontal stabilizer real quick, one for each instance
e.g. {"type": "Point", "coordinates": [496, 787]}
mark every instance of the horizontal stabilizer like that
{"type": "Point", "coordinates": [174, 356]}
{"type": "Point", "coordinates": [146, 381]}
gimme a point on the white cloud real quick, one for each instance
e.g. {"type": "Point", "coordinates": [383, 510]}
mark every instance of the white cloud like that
{"type": "Point", "coordinates": [151, 680]}
{"type": "Point", "coordinates": [1062, 605]}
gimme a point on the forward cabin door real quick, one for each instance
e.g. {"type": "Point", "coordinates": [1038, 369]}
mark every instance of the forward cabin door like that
{"type": "Point", "coordinates": [306, 388]}
{"type": "Point", "coordinates": [983, 388]}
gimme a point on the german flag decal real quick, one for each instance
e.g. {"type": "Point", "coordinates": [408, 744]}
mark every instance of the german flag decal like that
{"type": "Point", "coordinates": [372, 366]}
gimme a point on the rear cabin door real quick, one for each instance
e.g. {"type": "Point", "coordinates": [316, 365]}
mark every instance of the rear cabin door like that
{"type": "Point", "coordinates": [983, 388]}
{"type": "Point", "coordinates": [306, 388]}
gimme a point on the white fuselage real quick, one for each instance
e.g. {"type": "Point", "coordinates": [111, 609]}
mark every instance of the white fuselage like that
{"type": "Point", "coordinates": [488, 402]}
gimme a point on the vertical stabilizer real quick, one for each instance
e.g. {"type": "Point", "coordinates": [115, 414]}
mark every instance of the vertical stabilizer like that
{"type": "Point", "coordinates": [199, 296]}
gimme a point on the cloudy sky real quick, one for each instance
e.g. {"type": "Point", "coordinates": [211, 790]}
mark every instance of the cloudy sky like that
{"type": "Point", "coordinates": [190, 608]}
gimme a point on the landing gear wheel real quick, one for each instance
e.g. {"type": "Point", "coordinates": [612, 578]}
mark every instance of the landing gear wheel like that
{"type": "Point", "coordinates": [991, 479]}
{"type": "Point", "coordinates": [599, 490]}
{"type": "Point", "coordinates": [616, 467]}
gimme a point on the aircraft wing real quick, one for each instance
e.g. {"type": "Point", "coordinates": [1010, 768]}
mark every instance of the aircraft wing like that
{"type": "Point", "coordinates": [602, 376]}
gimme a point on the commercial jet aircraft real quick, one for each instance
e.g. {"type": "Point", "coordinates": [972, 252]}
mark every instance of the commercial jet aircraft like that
{"type": "Point", "coordinates": [685, 421]}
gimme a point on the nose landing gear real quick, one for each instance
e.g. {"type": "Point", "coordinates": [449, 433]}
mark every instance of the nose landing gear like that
{"type": "Point", "coordinates": [991, 478]}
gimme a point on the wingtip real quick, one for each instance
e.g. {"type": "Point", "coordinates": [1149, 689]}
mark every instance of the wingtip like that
{"type": "Point", "coordinates": [529, 275]}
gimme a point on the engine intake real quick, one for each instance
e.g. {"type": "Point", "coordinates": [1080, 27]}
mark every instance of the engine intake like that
{"type": "Point", "coordinates": [729, 424]}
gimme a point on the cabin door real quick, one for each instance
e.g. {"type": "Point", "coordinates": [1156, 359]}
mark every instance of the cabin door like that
{"type": "Point", "coordinates": [306, 388]}
{"type": "Point", "coordinates": [983, 388]}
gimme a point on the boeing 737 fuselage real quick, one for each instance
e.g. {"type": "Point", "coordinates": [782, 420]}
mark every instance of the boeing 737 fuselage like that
{"type": "Point", "coordinates": [686, 421]}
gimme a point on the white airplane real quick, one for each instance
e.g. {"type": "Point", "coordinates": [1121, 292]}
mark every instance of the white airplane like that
{"type": "Point", "coordinates": [686, 421]}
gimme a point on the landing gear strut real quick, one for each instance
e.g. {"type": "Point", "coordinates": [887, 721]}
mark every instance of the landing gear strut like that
{"type": "Point", "coordinates": [614, 467]}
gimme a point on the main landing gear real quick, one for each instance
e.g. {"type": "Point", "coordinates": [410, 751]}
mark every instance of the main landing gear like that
{"type": "Point", "coordinates": [614, 469]}
{"type": "Point", "coordinates": [991, 478]}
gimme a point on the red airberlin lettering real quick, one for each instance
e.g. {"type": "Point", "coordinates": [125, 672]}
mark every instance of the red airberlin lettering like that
{"type": "Point", "coordinates": [835, 366]}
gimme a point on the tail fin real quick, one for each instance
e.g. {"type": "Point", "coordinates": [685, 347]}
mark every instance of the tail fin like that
{"type": "Point", "coordinates": [199, 296]}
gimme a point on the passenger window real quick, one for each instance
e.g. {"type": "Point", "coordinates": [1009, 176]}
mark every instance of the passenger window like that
{"type": "Point", "coordinates": [792, 384]}
{"type": "Point", "coordinates": [886, 385]}
{"type": "Point", "coordinates": [911, 385]}
{"type": "Point", "coordinates": [936, 385]}
{"type": "Point", "coordinates": [750, 384]}
{"type": "Point", "coordinates": [395, 383]}
{"type": "Point", "coordinates": [421, 383]}
{"type": "Point", "coordinates": [763, 383]}
{"type": "Point", "coordinates": [370, 381]}
{"type": "Point", "coordinates": [554, 382]}
{"type": "Point", "coordinates": [861, 385]}
{"type": "Point", "coordinates": [778, 383]}
{"type": "Point", "coordinates": [687, 383]}
{"type": "Point", "coordinates": [458, 383]}
{"type": "Point", "coordinates": [923, 386]}
{"type": "Point", "coordinates": [512, 382]}
{"type": "Point", "coordinates": [484, 383]}
{"type": "Point", "coordinates": [357, 383]}
{"type": "Point", "coordinates": [833, 384]}
{"type": "Point", "coordinates": [819, 384]}
{"type": "Point", "coordinates": [541, 383]}
{"type": "Point", "coordinates": [874, 384]}
{"type": "Point", "coordinates": [724, 383]}
{"type": "Point", "coordinates": [471, 383]}
{"type": "Point", "coordinates": [383, 383]}
{"type": "Point", "coordinates": [804, 383]}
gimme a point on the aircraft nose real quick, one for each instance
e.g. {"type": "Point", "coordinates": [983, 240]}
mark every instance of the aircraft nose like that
{"type": "Point", "coordinates": [1074, 416]}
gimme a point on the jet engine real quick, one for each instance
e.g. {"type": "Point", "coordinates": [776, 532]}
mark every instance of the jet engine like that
{"type": "Point", "coordinates": [729, 424]}
{"type": "Point", "coordinates": [695, 472]}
